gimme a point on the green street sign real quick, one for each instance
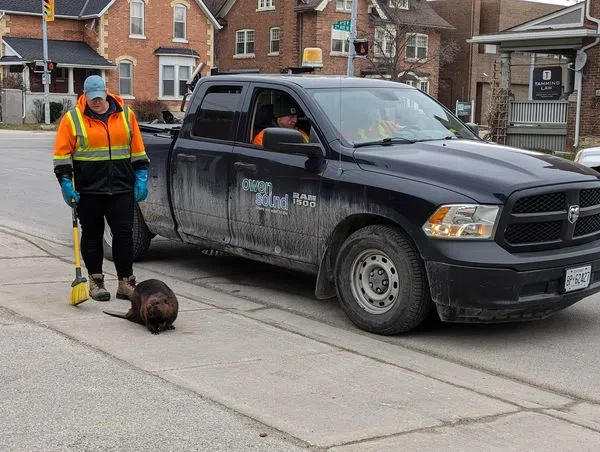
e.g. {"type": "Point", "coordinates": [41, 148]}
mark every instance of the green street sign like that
{"type": "Point", "coordinates": [343, 25]}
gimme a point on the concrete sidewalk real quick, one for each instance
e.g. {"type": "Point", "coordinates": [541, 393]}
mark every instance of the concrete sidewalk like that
{"type": "Point", "coordinates": [76, 379]}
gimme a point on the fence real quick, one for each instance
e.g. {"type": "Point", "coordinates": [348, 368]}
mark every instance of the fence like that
{"type": "Point", "coordinates": [538, 125]}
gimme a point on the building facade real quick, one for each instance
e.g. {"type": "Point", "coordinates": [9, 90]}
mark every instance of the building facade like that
{"type": "Point", "coordinates": [145, 50]}
{"type": "Point", "coordinates": [271, 35]}
{"type": "Point", "coordinates": [470, 75]}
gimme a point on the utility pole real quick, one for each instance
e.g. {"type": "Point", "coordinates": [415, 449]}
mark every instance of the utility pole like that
{"type": "Point", "coordinates": [351, 52]}
{"type": "Point", "coordinates": [47, 15]}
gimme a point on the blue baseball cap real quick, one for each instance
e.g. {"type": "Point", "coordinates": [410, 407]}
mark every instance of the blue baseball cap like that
{"type": "Point", "coordinates": [94, 87]}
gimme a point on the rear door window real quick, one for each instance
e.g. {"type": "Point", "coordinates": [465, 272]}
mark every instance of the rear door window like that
{"type": "Point", "coordinates": [216, 115]}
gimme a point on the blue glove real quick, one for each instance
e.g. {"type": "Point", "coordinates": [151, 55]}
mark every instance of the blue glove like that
{"type": "Point", "coordinates": [68, 191]}
{"type": "Point", "coordinates": [140, 189]}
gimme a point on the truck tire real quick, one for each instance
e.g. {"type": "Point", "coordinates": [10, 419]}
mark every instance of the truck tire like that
{"type": "Point", "coordinates": [381, 281]}
{"type": "Point", "coordinates": [141, 237]}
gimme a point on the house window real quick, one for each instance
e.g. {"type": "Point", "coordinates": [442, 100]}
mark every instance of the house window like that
{"type": "Point", "coordinates": [343, 5]}
{"type": "Point", "coordinates": [183, 76]}
{"type": "Point", "coordinates": [274, 40]}
{"type": "Point", "coordinates": [244, 42]}
{"type": "Point", "coordinates": [385, 42]}
{"type": "Point", "coordinates": [421, 84]}
{"type": "Point", "coordinates": [168, 81]}
{"type": "Point", "coordinates": [340, 41]}
{"type": "Point", "coordinates": [61, 73]}
{"type": "Point", "coordinates": [266, 4]}
{"type": "Point", "coordinates": [125, 78]}
{"type": "Point", "coordinates": [179, 22]}
{"type": "Point", "coordinates": [136, 12]}
{"type": "Point", "coordinates": [402, 4]}
{"type": "Point", "coordinates": [489, 48]}
{"type": "Point", "coordinates": [174, 73]}
{"type": "Point", "coordinates": [416, 46]}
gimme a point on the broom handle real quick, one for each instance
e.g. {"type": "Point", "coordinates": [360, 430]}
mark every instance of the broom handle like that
{"type": "Point", "coordinates": [76, 237]}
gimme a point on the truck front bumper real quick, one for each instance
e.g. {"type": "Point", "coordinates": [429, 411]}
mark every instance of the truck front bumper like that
{"type": "Point", "coordinates": [515, 291]}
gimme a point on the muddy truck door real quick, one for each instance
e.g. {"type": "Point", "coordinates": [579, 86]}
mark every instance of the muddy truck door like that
{"type": "Point", "coordinates": [200, 162]}
{"type": "Point", "coordinates": [275, 194]}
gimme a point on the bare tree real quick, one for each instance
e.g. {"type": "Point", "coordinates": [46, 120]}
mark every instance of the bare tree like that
{"type": "Point", "coordinates": [400, 46]}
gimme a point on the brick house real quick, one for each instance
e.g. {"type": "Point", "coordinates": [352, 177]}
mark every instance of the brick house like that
{"type": "Point", "coordinates": [271, 35]}
{"type": "Point", "coordinates": [144, 49]}
{"type": "Point", "coordinates": [575, 32]}
{"type": "Point", "coordinates": [468, 77]}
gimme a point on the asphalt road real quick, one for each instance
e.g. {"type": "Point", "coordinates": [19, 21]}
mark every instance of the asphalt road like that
{"type": "Point", "coordinates": [561, 353]}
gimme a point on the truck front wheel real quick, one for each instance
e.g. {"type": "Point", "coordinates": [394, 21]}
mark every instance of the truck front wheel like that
{"type": "Point", "coordinates": [381, 282]}
{"type": "Point", "coordinates": [141, 236]}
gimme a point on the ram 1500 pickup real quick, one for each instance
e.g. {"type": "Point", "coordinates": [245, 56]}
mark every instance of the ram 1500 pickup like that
{"type": "Point", "coordinates": [394, 204]}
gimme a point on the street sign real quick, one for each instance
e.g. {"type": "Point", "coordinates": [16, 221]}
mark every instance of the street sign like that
{"type": "Point", "coordinates": [465, 109]}
{"type": "Point", "coordinates": [547, 83]}
{"type": "Point", "coordinates": [342, 25]}
{"type": "Point", "coordinates": [44, 78]}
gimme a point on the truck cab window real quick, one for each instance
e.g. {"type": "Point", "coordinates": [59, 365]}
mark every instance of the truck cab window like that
{"type": "Point", "coordinates": [273, 108]}
{"type": "Point", "coordinates": [215, 116]}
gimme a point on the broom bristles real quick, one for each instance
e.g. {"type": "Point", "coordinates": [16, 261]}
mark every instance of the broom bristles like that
{"type": "Point", "coordinates": [79, 293]}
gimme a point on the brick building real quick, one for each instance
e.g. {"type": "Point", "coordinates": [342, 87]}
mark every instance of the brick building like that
{"type": "Point", "coordinates": [575, 32]}
{"type": "Point", "coordinates": [271, 35]}
{"type": "Point", "coordinates": [144, 49]}
{"type": "Point", "coordinates": [468, 77]}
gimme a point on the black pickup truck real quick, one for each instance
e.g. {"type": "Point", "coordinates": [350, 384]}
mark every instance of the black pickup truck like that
{"type": "Point", "coordinates": [393, 203]}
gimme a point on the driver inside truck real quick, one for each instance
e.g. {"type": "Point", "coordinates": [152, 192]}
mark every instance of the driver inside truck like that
{"type": "Point", "coordinates": [285, 114]}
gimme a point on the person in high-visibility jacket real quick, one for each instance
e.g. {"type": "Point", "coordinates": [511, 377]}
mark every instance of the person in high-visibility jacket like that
{"type": "Point", "coordinates": [102, 167]}
{"type": "Point", "coordinates": [285, 114]}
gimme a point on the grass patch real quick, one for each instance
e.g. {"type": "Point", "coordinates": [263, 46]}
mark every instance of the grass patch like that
{"type": "Point", "coordinates": [24, 126]}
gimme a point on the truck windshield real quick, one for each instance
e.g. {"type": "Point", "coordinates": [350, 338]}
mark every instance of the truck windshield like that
{"type": "Point", "coordinates": [376, 115]}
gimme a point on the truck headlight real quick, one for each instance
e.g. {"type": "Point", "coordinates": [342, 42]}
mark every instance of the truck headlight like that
{"type": "Point", "coordinates": [462, 221]}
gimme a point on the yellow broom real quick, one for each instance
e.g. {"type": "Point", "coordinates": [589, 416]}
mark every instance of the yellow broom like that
{"type": "Point", "coordinates": [79, 287]}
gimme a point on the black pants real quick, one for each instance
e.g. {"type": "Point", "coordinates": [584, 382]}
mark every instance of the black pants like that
{"type": "Point", "coordinates": [118, 210]}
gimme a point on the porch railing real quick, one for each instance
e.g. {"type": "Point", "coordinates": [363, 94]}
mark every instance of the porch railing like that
{"type": "Point", "coordinates": [536, 112]}
{"type": "Point", "coordinates": [538, 125]}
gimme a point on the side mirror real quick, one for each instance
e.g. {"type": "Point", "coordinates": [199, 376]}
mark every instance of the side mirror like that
{"type": "Point", "coordinates": [473, 127]}
{"type": "Point", "coordinates": [289, 141]}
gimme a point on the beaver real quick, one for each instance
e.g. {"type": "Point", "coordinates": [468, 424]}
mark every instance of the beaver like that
{"type": "Point", "coordinates": [153, 304]}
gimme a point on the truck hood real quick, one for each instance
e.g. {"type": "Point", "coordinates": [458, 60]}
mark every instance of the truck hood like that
{"type": "Point", "coordinates": [485, 172]}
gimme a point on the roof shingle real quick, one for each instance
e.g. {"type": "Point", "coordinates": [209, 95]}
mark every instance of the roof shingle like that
{"type": "Point", "coordinates": [74, 53]}
{"type": "Point", "coordinates": [70, 8]}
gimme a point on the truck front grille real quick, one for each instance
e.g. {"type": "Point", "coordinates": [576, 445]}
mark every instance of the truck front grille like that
{"type": "Point", "coordinates": [540, 219]}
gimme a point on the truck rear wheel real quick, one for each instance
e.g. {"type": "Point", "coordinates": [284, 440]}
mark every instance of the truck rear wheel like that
{"type": "Point", "coordinates": [141, 236]}
{"type": "Point", "coordinates": [381, 281]}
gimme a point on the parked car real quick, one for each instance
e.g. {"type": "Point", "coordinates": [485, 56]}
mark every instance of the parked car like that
{"type": "Point", "coordinates": [589, 157]}
{"type": "Point", "coordinates": [431, 217]}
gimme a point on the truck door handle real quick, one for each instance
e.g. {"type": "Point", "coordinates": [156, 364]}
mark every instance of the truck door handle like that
{"type": "Point", "coordinates": [245, 166]}
{"type": "Point", "coordinates": [186, 157]}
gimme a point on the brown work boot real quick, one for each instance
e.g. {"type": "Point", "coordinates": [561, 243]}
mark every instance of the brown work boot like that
{"type": "Point", "coordinates": [126, 287]}
{"type": "Point", "coordinates": [97, 290]}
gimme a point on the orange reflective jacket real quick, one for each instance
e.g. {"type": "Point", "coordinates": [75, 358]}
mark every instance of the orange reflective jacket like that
{"type": "Point", "coordinates": [102, 155]}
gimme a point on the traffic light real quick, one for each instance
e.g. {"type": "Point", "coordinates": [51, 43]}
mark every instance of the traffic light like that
{"type": "Point", "coordinates": [51, 66]}
{"type": "Point", "coordinates": [48, 10]}
{"type": "Point", "coordinates": [361, 47]}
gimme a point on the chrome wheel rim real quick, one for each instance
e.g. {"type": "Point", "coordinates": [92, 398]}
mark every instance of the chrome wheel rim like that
{"type": "Point", "coordinates": [374, 281]}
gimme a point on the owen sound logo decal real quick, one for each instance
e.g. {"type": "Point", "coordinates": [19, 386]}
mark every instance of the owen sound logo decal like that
{"type": "Point", "coordinates": [264, 197]}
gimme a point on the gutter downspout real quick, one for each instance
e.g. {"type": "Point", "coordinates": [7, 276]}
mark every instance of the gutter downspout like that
{"type": "Point", "coordinates": [578, 75]}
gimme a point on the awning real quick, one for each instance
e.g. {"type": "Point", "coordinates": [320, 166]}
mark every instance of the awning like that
{"type": "Point", "coordinates": [176, 51]}
{"type": "Point", "coordinates": [75, 54]}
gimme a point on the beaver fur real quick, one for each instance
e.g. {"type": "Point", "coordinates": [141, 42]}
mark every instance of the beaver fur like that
{"type": "Point", "coordinates": [153, 304]}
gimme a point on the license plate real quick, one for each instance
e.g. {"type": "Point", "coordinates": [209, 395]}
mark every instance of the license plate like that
{"type": "Point", "coordinates": [578, 278]}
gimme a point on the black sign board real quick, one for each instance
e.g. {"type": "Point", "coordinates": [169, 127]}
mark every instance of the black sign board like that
{"type": "Point", "coordinates": [547, 83]}
{"type": "Point", "coordinates": [463, 108]}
